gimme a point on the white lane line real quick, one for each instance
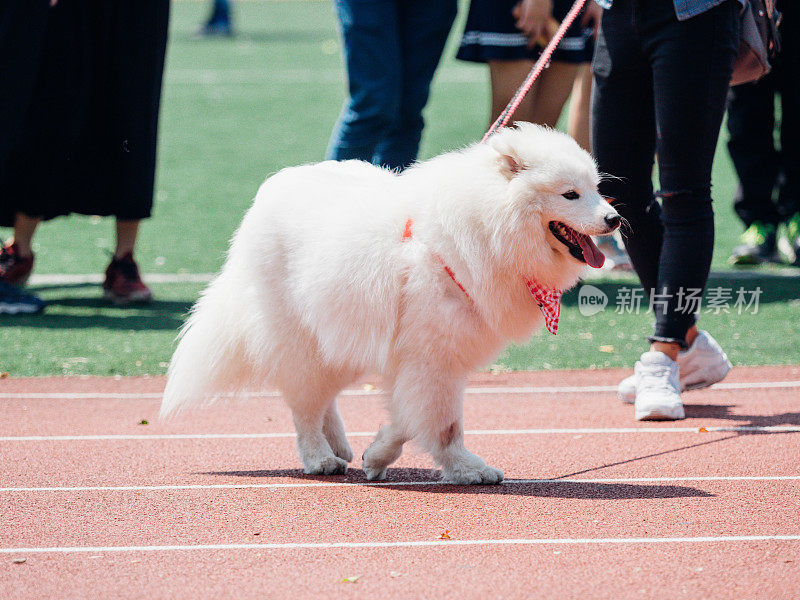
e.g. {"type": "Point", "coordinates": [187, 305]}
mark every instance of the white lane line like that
{"type": "Point", "coordinates": [344, 484]}
{"type": "Point", "coordinates": [254, 436]}
{"type": "Point", "coordinates": [408, 544]}
{"type": "Point", "coordinates": [474, 391]}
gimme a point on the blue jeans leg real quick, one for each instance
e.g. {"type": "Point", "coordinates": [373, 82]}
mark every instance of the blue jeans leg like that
{"type": "Point", "coordinates": [423, 29]}
{"type": "Point", "coordinates": [220, 12]}
{"type": "Point", "coordinates": [371, 42]}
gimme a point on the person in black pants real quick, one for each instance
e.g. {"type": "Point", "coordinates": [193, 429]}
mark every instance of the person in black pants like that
{"type": "Point", "coordinates": [661, 72]}
{"type": "Point", "coordinates": [762, 168]}
{"type": "Point", "coordinates": [82, 91]}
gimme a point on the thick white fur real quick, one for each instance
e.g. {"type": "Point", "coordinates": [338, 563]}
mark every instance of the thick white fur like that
{"type": "Point", "coordinates": [319, 288]}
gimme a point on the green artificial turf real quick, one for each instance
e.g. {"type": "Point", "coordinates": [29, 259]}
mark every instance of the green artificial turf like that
{"type": "Point", "coordinates": [236, 110]}
{"type": "Point", "coordinates": [81, 334]}
{"type": "Point", "coordinates": [766, 333]}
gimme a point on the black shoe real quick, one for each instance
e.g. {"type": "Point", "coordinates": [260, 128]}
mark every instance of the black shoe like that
{"type": "Point", "coordinates": [758, 245]}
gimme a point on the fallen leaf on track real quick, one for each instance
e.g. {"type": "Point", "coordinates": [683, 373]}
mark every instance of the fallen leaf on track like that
{"type": "Point", "coordinates": [445, 535]}
{"type": "Point", "coordinates": [143, 422]}
{"type": "Point", "coordinates": [351, 579]}
{"type": "Point", "coordinates": [702, 430]}
{"type": "Point", "coordinates": [368, 387]}
{"type": "Point", "coordinates": [18, 561]}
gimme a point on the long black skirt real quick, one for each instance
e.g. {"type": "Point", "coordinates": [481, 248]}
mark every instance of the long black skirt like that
{"type": "Point", "coordinates": [80, 106]}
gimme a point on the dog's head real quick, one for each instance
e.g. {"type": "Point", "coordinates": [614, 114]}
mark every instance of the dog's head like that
{"type": "Point", "coordinates": [551, 206]}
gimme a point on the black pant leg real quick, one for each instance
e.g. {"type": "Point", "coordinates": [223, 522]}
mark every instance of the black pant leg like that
{"type": "Point", "coordinates": [751, 120]}
{"type": "Point", "coordinates": [130, 39]}
{"type": "Point", "coordinates": [623, 136]}
{"type": "Point", "coordinates": [691, 62]}
{"type": "Point", "coordinates": [787, 77]}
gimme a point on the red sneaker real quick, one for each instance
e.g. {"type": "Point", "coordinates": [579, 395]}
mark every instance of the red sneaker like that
{"type": "Point", "coordinates": [15, 269]}
{"type": "Point", "coordinates": [123, 284]}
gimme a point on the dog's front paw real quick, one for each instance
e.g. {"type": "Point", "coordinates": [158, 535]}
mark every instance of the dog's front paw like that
{"type": "Point", "coordinates": [373, 465]}
{"type": "Point", "coordinates": [374, 473]}
{"type": "Point", "coordinates": [329, 465]}
{"type": "Point", "coordinates": [380, 454]}
{"type": "Point", "coordinates": [473, 475]}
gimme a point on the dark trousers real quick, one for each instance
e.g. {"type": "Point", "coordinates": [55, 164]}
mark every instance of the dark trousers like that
{"type": "Point", "coordinates": [84, 123]}
{"type": "Point", "coordinates": [220, 12]}
{"type": "Point", "coordinates": [22, 28]}
{"type": "Point", "coordinates": [660, 90]}
{"type": "Point", "coordinates": [761, 166]}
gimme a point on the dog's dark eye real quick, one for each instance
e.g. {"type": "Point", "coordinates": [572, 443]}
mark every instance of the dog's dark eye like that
{"type": "Point", "coordinates": [571, 195]}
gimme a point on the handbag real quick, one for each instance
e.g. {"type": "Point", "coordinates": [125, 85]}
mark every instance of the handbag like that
{"type": "Point", "coordinates": [759, 41]}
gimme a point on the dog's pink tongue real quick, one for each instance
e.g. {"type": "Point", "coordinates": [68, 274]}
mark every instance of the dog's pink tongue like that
{"type": "Point", "coordinates": [591, 253]}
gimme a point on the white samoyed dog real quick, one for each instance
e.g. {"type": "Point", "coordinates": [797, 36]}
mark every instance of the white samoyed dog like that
{"type": "Point", "coordinates": [343, 268]}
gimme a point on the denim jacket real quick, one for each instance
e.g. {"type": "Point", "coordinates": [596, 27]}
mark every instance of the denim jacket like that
{"type": "Point", "coordinates": [684, 9]}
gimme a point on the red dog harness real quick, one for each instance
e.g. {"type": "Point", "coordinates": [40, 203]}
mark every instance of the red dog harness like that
{"type": "Point", "coordinates": [548, 299]}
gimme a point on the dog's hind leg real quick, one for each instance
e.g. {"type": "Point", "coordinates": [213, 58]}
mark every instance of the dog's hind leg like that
{"type": "Point", "coordinates": [311, 405]}
{"type": "Point", "coordinates": [333, 429]}
{"type": "Point", "coordinates": [315, 451]}
{"type": "Point", "coordinates": [429, 408]}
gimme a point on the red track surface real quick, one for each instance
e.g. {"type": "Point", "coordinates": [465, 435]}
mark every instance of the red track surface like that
{"type": "Point", "coordinates": [214, 505]}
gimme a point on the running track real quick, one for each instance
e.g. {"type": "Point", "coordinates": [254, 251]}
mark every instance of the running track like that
{"type": "Point", "coordinates": [213, 505]}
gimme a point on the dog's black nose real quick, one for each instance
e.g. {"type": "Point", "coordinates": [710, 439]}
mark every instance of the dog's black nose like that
{"type": "Point", "coordinates": [613, 220]}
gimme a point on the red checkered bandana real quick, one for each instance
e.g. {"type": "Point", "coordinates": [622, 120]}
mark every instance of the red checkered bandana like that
{"type": "Point", "coordinates": [549, 300]}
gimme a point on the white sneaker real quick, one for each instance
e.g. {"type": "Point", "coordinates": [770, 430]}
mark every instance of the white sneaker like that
{"type": "Point", "coordinates": [658, 388]}
{"type": "Point", "coordinates": [703, 364]}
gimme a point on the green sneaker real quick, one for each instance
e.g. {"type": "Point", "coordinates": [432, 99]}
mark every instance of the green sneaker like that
{"type": "Point", "coordinates": [793, 234]}
{"type": "Point", "coordinates": [758, 245]}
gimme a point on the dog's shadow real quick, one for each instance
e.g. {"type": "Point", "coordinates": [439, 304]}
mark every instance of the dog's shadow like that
{"type": "Point", "coordinates": [428, 480]}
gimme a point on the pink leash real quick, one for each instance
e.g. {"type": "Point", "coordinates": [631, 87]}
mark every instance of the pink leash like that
{"type": "Point", "coordinates": [541, 65]}
{"type": "Point", "coordinates": [548, 300]}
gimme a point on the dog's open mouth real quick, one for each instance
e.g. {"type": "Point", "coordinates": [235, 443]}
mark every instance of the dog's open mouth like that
{"type": "Point", "coordinates": [580, 246]}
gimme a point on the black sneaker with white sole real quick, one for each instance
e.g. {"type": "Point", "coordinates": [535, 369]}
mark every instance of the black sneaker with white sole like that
{"type": "Point", "coordinates": [758, 245]}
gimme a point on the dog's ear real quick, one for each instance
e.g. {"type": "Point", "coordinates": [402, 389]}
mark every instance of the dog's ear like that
{"type": "Point", "coordinates": [509, 164]}
{"type": "Point", "coordinates": [508, 161]}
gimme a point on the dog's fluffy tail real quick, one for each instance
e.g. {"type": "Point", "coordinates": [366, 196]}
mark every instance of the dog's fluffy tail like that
{"type": "Point", "coordinates": [211, 356]}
